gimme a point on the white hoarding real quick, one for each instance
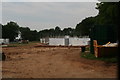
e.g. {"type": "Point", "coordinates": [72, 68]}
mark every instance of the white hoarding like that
{"type": "Point", "coordinates": [56, 41]}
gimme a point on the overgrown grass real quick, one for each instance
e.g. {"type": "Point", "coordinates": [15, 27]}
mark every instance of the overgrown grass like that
{"type": "Point", "coordinates": [87, 48]}
{"type": "Point", "coordinates": [88, 55]}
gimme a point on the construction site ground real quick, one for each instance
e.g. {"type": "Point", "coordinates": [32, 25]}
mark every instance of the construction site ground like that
{"type": "Point", "coordinates": [27, 61]}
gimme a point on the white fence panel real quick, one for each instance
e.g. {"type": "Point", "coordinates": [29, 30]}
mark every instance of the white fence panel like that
{"type": "Point", "coordinates": [78, 41]}
{"type": "Point", "coordinates": [56, 41]}
{"type": "Point", "coordinates": [5, 41]}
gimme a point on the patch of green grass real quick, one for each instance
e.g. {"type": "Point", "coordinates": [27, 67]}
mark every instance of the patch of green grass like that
{"type": "Point", "coordinates": [87, 48]}
{"type": "Point", "coordinates": [11, 46]}
{"type": "Point", "coordinates": [16, 44]}
{"type": "Point", "coordinates": [88, 55]}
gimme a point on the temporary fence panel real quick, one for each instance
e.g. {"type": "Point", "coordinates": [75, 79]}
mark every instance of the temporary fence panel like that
{"type": "Point", "coordinates": [40, 40]}
{"type": "Point", "coordinates": [69, 41]}
{"type": "Point", "coordinates": [5, 41]}
{"type": "Point", "coordinates": [78, 41]}
{"type": "Point", "coordinates": [56, 41]}
{"type": "Point", "coordinates": [1, 41]}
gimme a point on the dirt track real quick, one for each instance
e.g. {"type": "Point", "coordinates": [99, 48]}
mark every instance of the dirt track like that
{"type": "Point", "coordinates": [31, 62]}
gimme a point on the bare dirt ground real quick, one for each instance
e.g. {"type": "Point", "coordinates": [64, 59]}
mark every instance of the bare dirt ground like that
{"type": "Point", "coordinates": [31, 62]}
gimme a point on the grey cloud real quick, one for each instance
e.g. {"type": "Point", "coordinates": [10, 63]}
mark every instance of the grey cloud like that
{"type": "Point", "coordinates": [40, 15]}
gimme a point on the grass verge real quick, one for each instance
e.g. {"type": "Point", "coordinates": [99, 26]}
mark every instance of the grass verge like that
{"type": "Point", "coordinates": [88, 55]}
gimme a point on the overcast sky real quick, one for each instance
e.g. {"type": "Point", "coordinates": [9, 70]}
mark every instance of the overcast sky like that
{"type": "Point", "coordinates": [46, 15]}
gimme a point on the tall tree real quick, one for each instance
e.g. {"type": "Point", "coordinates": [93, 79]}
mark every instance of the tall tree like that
{"type": "Point", "coordinates": [10, 30]}
{"type": "Point", "coordinates": [68, 31]}
{"type": "Point", "coordinates": [51, 32]}
{"type": "Point", "coordinates": [25, 32]}
{"type": "Point", "coordinates": [83, 28]}
{"type": "Point", "coordinates": [28, 34]}
{"type": "Point", "coordinates": [57, 31]}
{"type": "Point", "coordinates": [108, 12]}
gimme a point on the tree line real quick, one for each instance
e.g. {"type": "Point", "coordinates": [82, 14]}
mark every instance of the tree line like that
{"type": "Point", "coordinates": [57, 32]}
{"type": "Point", "coordinates": [12, 29]}
{"type": "Point", "coordinates": [108, 14]}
